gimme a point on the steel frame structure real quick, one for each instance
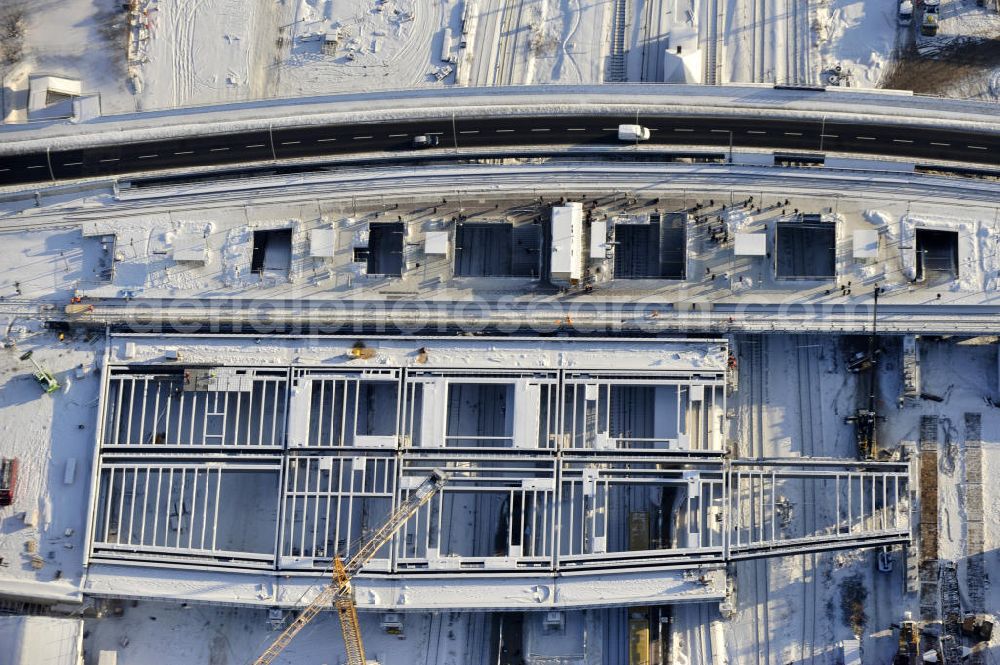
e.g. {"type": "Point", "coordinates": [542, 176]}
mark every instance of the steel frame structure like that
{"type": "Point", "coordinates": [556, 469]}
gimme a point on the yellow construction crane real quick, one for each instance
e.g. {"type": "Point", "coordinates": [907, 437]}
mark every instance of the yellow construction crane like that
{"type": "Point", "coordinates": [339, 591]}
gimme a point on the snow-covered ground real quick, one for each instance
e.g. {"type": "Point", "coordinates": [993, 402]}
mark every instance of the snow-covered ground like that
{"type": "Point", "coordinates": [42, 538]}
{"type": "Point", "coordinates": [859, 37]}
{"type": "Point", "coordinates": [801, 611]}
{"type": "Point", "coordinates": [232, 636]}
{"type": "Point", "coordinates": [208, 51]}
{"type": "Point", "coordinates": [73, 38]}
{"type": "Point", "coordinates": [195, 52]}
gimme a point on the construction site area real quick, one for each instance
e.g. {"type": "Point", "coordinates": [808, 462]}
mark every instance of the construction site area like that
{"type": "Point", "coordinates": [499, 332]}
{"type": "Point", "coordinates": [606, 489]}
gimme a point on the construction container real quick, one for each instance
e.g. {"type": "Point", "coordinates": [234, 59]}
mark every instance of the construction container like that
{"type": "Point", "coordinates": [638, 636]}
{"type": "Point", "coordinates": [929, 27]}
{"type": "Point", "coordinates": [8, 481]}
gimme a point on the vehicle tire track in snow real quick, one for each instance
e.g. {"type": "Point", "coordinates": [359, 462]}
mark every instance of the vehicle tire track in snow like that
{"type": "Point", "coordinates": [569, 37]}
{"type": "Point", "coordinates": [183, 23]}
{"type": "Point", "coordinates": [411, 52]}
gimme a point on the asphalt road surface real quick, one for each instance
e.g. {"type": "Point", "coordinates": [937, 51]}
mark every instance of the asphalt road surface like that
{"type": "Point", "coordinates": [316, 141]}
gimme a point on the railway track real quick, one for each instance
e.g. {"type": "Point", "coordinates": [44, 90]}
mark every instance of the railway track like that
{"type": "Point", "coordinates": [798, 47]}
{"type": "Point", "coordinates": [616, 55]}
{"type": "Point", "coordinates": [510, 28]}
{"type": "Point", "coordinates": [713, 20]}
{"type": "Point", "coordinates": [791, 43]}
{"type": "Point", "coordinates": [808, 415]}
{"type": "Point", "coordinates": [759, 567]}
{"type": "Point", "coordinates": [758, 65]}
{"type": "Point", "coordinates": [652, 60]}
{"type": "Point", "coordinates": [434, 640]}
{"type": "Point", "coordinates": [475, 651]}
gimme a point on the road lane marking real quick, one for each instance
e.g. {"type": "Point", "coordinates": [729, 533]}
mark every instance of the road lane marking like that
{"type": "Point", "coordinates": [577, 129]}
{"type": "Point", "coordinates": [793, 133]}
{"type": "Point", "coordinates": [112, 159]}
{"type": "Point", "coordinates": [185, 152]}
{"type": "Point", "coordinates": [504, 131]}
{"type": "Point", "coordinates": [977, 147]}
{"type": "Point", "coordinates": [609, 129]}
{"type": "Point", "coordinates": [398, 136]}
{"type": "Point", "coordinates": [217, 149]}
{"type": "Point", "coordinates": [256, 145]}
{"type": "Point", "coordinates": [902, 141]}
{"type": "Point", "coordinates": [943, 145]}
{"type": "Point", "coordinates": [755, 131]}
{"type": "Point", "coordinates": [290, 142]}
{"type": "Point", "coordinates": [469, 131]}
{"type": "Point", "coordinates": [830, 136]}
{"type": "Point", "coordinates": [147, 156]}
{"type": "Point", "coordinates": [362, 138]}
{"type": "Point", "coordinates": [678, 129]}
{"type": "Point", "coordinates": [4, 170]}
{"type": "Point", "coordinates": [37, 166]}
{"type": "Point", "coordinates": [720, 131]}
{"type": "Point", "coordinates": [866, 138]}
{"type": "Point", "coordinates": [540, 130]}
{"type": "Point", "coordinates": [72, 163]}
{"type": "Point", "coordinates": [324, 140]}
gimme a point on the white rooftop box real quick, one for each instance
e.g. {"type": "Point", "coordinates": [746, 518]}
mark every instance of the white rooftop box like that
{"type": "Point", "coordinates": [567, 243]}
{"type": "Point", "coordinates": [866, 244]}
{"type": "Point", "coordinates": [751, 244]}
{"type": "Point", "coordinates": [436, 243]}
{"type": "Point", "coordinates": [189, 247]}
{"type": "Point", "coordinates": [322, 243]}
{"type": "Point", "coordinates": [598, 239]}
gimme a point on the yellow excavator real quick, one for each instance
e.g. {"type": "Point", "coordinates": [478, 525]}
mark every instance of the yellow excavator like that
{"type": "Point", "coordinates": [339, 591]}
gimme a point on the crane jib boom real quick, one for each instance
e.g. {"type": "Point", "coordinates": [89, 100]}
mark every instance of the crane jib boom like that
{"type": "Point", "coordinates": [338, 592]}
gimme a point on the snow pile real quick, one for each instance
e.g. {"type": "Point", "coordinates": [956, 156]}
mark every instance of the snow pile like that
{"type": "Point", "coordinates": [988, 238]}
{"type": "Point", "coordinates": [877, 218]}
{"type": "Point", "coordinates": [236, 255]}
{"type": "Point", "coordinates": [905, 243]}
{"type": "Point", "coordinates": [878, 271]}
{"type": "Point", "coordinates": [737, 219]}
